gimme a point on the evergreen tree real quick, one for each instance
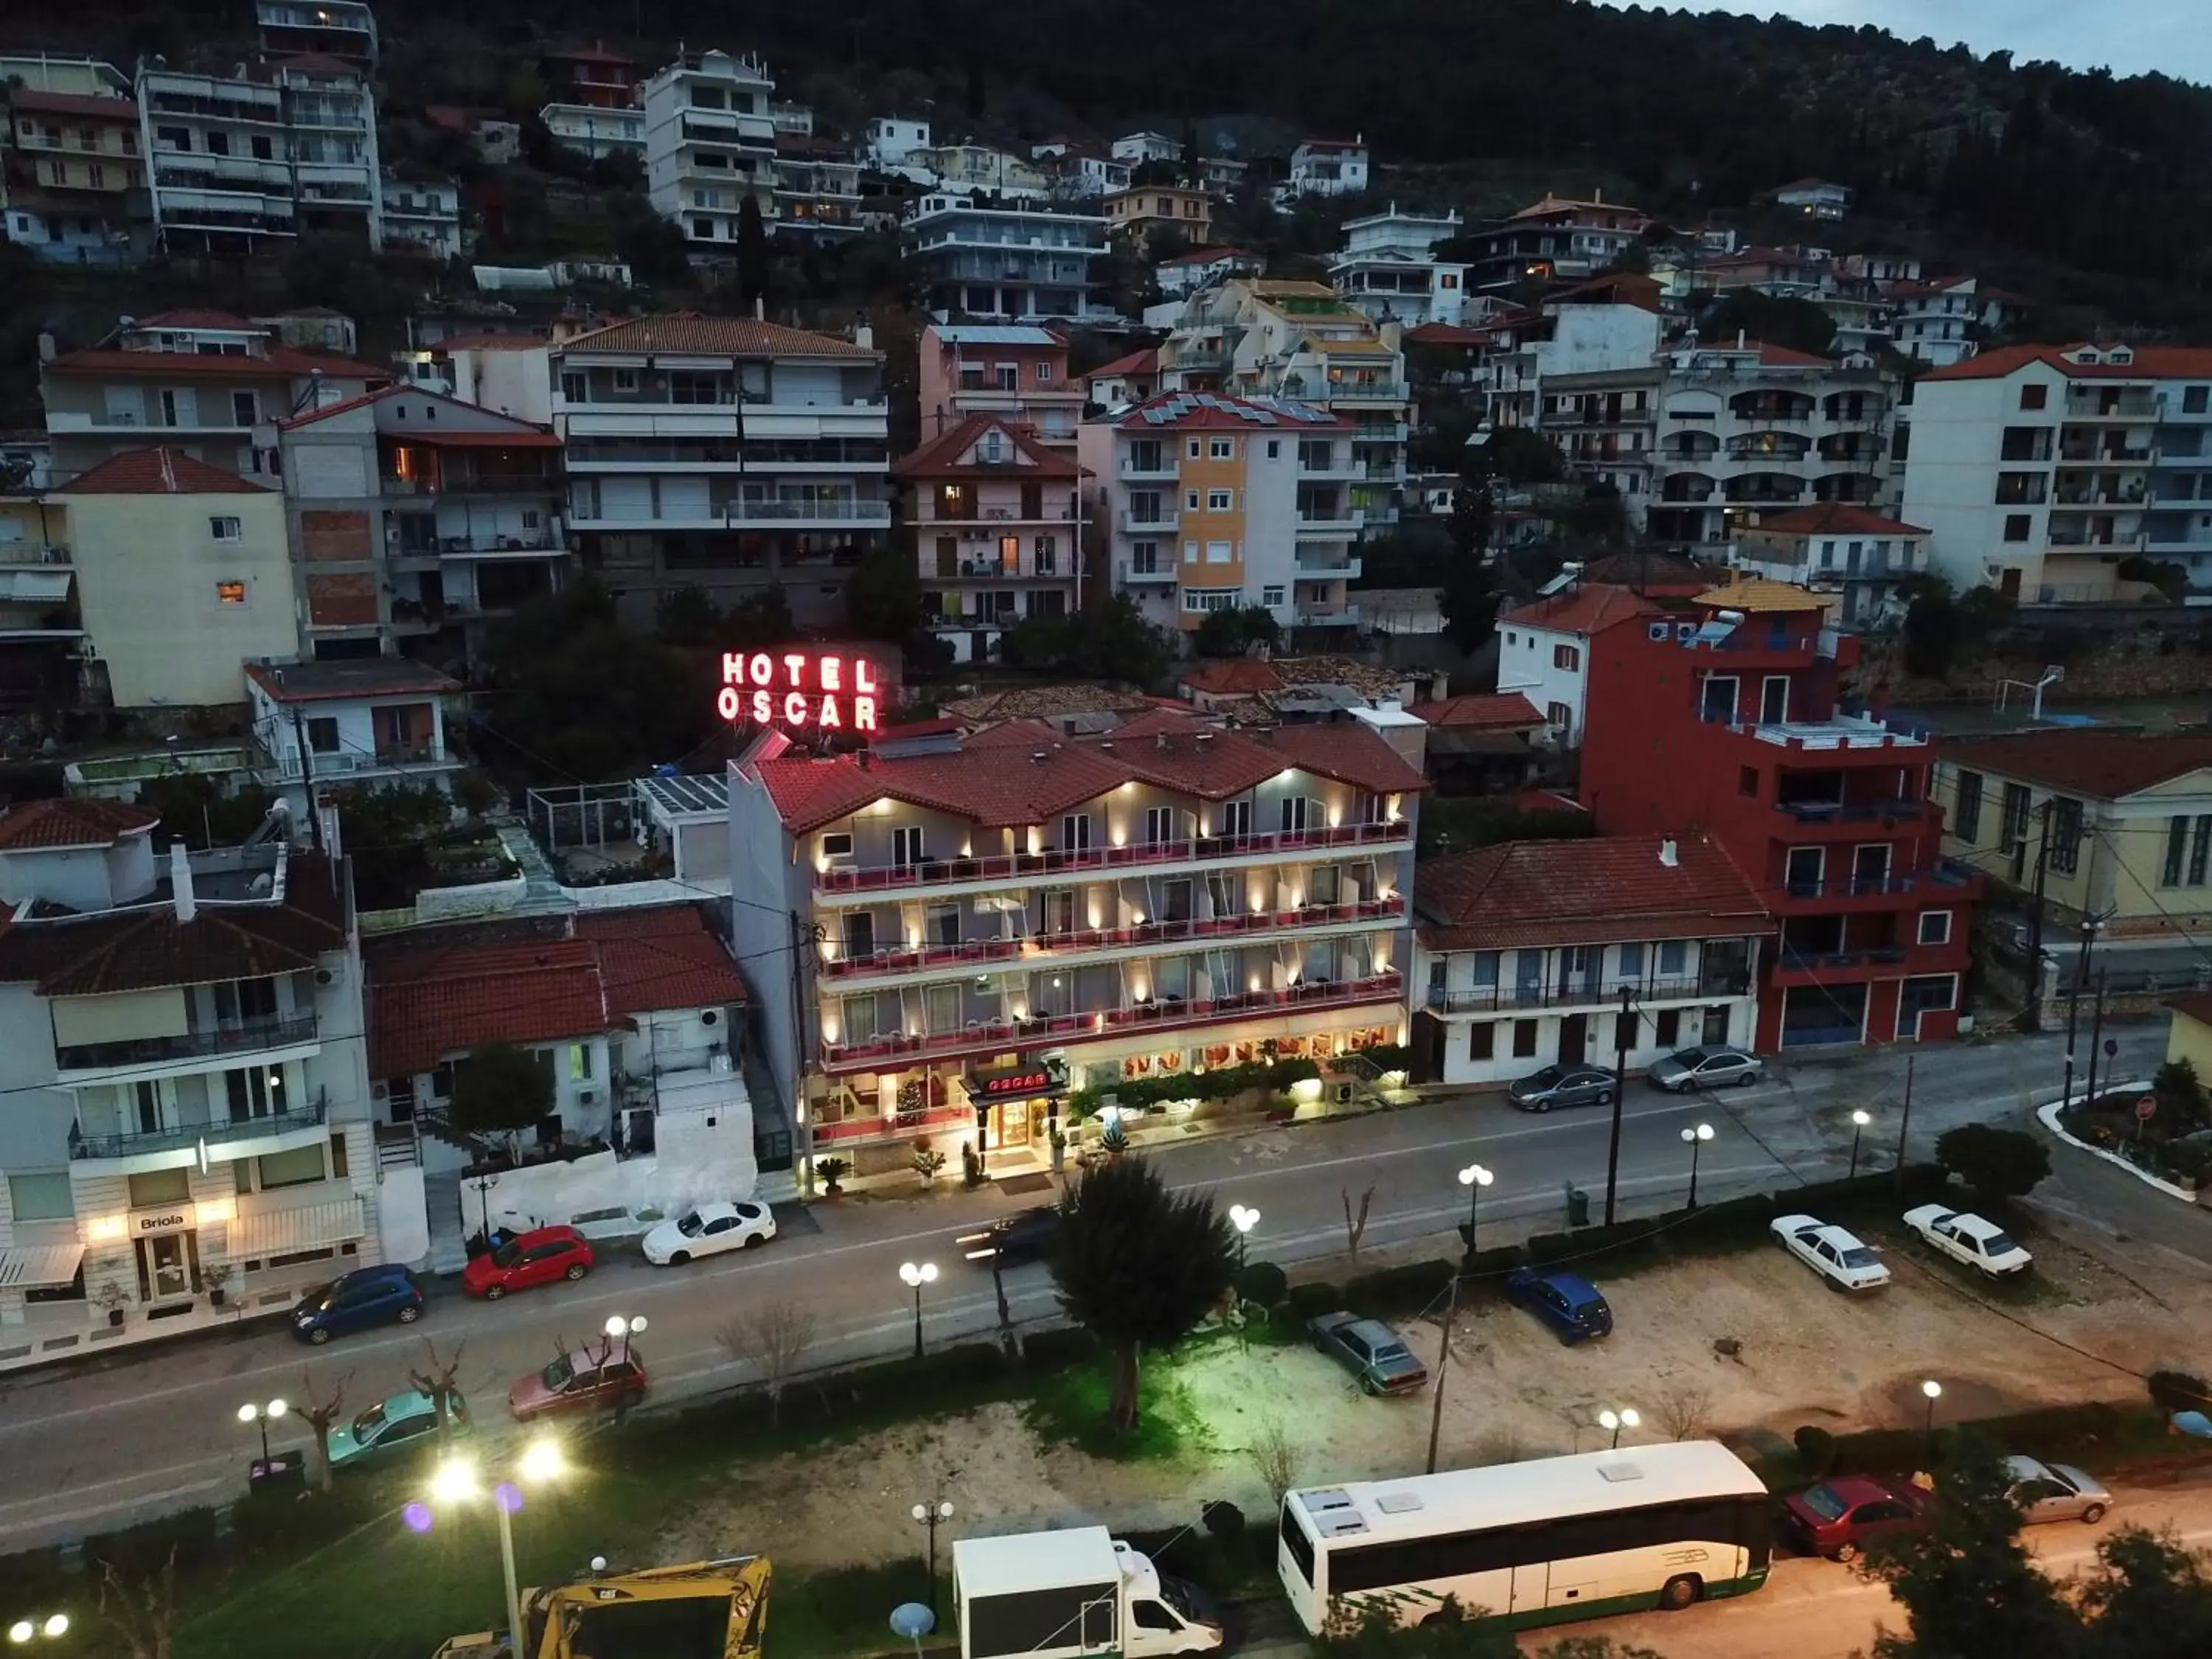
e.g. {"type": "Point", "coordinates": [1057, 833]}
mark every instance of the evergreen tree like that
{"type": "Point", "coordinates": [752, 252]}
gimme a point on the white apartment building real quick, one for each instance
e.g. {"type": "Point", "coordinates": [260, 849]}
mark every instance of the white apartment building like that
{"type": "Point", "coordinates": [189, 1117]}
{"type": "Point", "coordinates": [723, 454]}
{"type": "Point", "coordinates": [1138, 148]}
{"type": "Point", "coordinates": [275, 149]}
{"type": "Point", "coordinates": [2040, 470]}
{"type": "Point", "coordinates": [1602, 335]}
{"type": "Point", "coordinates": [1945, 321]}
{"type": "Point", "coordinates": [374, 721]}
{"type": "Point", "coordinates": [1329, 167]}
{"type": "Point", "coordinates": [1300, 342]}
{"type": "Point", "coordinates": [1387, 268]}
{"type": "Point", "coordinates": [595, 133]}
{"type": "Point", "coordinates": [422, 216]}
{"type": "Point", "coordinates": [1004, 919]}
{"type": "Point", "coordinates": [709, 143]}
{"type": "Point", "coordinates": [817, 188]}
{"type": "Point", "coordinates": [331, 29]}
{"type": "Point", "coordinates": [893, 139]}
{"type": "Point", "coordinates": [1010, 262]}
{"type": "Point", "coordinates": [1211, 502]}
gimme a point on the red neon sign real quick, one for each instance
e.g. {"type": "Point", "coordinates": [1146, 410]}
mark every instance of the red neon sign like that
{"type": "Point", "coordinates": [797, 688]}
{"type": "Point", "coordinates": [1021, 1083]}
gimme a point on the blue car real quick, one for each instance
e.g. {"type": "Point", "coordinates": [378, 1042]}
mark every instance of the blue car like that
{"type": "Point", "coordinates": [1569, 1304]}
{"type": "Point", "coordinates": [367, 1295]}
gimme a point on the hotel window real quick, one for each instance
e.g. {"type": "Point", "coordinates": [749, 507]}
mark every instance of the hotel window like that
{"type": "Point", "coordinates": [1236, 817]}
{"type": "Point", "coordinates": [1075, 832]}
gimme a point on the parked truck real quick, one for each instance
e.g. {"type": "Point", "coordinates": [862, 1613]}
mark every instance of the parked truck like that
{"type": "Point", "coordinates": [1074, 1592]}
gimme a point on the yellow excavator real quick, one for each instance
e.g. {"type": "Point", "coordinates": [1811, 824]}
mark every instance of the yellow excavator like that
{"type": "Point", "coordinates": [704, 1610]}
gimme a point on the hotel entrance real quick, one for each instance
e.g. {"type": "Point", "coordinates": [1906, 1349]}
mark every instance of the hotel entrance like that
{"type": "Point", "coordinates": [1014, 1107]}
{"type": "Point", "coordinates": [168, 1265]}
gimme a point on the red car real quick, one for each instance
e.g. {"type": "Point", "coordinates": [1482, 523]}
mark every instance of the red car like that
{"type": "Point", "coordinates": [537, 1257]}
{"type": "Point", "coordinates": [1839, 1517]}
{"type": "Point", "coordinates": [609, 1374]}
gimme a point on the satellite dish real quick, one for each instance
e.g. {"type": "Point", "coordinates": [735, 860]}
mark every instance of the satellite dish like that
{"type": "Point", "coordinates": [911, 1621]}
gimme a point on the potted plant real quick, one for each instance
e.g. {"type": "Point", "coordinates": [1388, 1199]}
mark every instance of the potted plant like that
{"type": "Point", "coordinates": [927, 1162]}
{"type": "Point", "coordinates": [110, 1300]}
{"type": "Point", "coordinates": [832, 1171]}
{"type": "Point", "coordinates": [215, 1277]}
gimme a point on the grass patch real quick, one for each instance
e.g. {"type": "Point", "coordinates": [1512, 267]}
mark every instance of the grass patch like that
{"type": "Point", "coordinates": [846, 1610]}
{"type": "Point", "coordinates": [1069, 1409]}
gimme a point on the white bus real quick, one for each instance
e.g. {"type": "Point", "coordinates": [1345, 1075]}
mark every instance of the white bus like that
{"type": "Point", "coordinates": [1533, 1543]}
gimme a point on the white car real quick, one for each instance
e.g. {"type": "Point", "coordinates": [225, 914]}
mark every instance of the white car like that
{"type": "Point", "coordinates": [1964, 1236]}
{"type": "Point", "coordinates": [709, 1230]}
{"type": "Point", "coordinates": [1834, 1254]}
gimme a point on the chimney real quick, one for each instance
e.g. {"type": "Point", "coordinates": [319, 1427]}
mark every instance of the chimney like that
{"type": "Point", "coordinates": [181, 880]}
{"type": "Point", "coordinates": [1668, 855]}
{"type": "Point", "coordinates": [1739, 339]}
{"type": "Point", "coordinates": [1205, 740]}
{"type": "Point", "coordinates": [760, 309]}
{"type": "Point", "coordinates": [47, 347]}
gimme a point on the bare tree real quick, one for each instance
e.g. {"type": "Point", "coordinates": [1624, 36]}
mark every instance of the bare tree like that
{"type": "Point", "coordinates": [1683, 1408]}
{"type": "Point", "coordinates": [1355, 1227]}
{"type": "Point", "coordinates": [141, 1611]}
{"type": "Point", "coordinates": [1274, 1457]}
{"type": "Point", "coordinates": [322, 1413]}
{"type": "Point", "coordinates": [437, 1379]}
{"type": "Point", "coordinates": [775, 1337]}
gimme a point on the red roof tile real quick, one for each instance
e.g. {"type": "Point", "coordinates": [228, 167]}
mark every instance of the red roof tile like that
{"type": "Point", "coordinates": [228, 320]}
{"type": "Point", "coordinates": [513, 433]}
{"type": "Point", "coordinates": [939, 457]}
{"type": "Point", "coordinates": [1776, 356]}
{"type": "Point", "coordinates": [282, 363]}
{"type": "Point", "coordinates": [2097, 764]}
{"type": "Point", "coordinates": [2193, 1005]}
{"type": "Point", "coordinates": [158, 472]}
{"type": "Point", "coordinates": [663, 957]}
{"type": "Point", "coordinates": [1587, 609]}
{"type": "Point", "coordinates": [72, 823]}
{"type": "Point", "coordinates": [681, 332]}
{"type": "Point", "coordinates": [1501, 710]}
{"type": "Point", "coordinates": [1239, 675]}
{"type": "Point", "coordinates": [425, 1005]}
{"type": "Point", "coordinates": [1836, 519]}
{"type": "Point", "coordinates": [1147, 361]}
{"type": "Point", "coordinates": [1585, 892]}
{"type": "Point", "coordinates": [2149, 363]}
{"type": "Point", "coordinates": [75, 103]}
{"type": "Point", "coordinates": [1009, 734]}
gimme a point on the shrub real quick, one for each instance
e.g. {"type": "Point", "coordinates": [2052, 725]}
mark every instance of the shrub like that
{"type": "Point", "coordinates": [953, 1374]}
{"type": "Point", "coordinates": [1057, 1349]}
{"type": "Point", "coordinates": [145, 1548]}
{"type": "Point", "coordinates": [1223, 1519]}
{"type": "Point", "coordinates": [1816, 1451]}
{"type": "Point", "coordinates": [2178, 1391]}
{"type": "Point", "coordinates": [1321, 1298]}
{"type": "Point", "coordinates": [1488, 1268]}
{"type": "Point", "coordinates": [1996, 1162]}
{"type": "Point", "coordinates": [1263, 1283]}
{"type": "Point", "coordinates": [1408, 1289]}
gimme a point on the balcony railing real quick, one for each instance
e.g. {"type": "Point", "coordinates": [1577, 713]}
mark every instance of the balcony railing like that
{"type": "Point", "coordinates": [175, 1137]}
{"type": "Point", "coordinates": [236, 1037]}
{"type": "Point", "coordinates": [1798, 962]}
{"type": "Point", "coordinates": [1054, 947]}
{"type": "Point", "coordinates": [1130, 572]}
{"type": "Point", "coordinates": [987, 1036]}
{"type": "Point", "coordinates": [1824, 812]}
{"type": "Point", "coordinates": [1496, 999]}
{"type": "Point", "coordinates": [1023, 866]}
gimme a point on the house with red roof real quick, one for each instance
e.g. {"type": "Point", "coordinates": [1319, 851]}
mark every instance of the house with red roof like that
{"type": "Point", "coordinates": [1482, 743]}
{"type": "Point", "coordinates": [182, 577]}
{"type": "Point", "coordinates": [1946, 319]}
{"type": "Point", "coordinates": [1863, 557]}
{"type": "Point", "coordinates": [995, 516]}
{"type": "Point", "coordinates": [1557, 238]}
{"type": "Point", "coordinates": [1526, 954]}
{"type": "Point", "coordinates": [1015, 370]}
{"type": "Point", "coordinates": [1130, 378]}
{"type": "Point", "coordinates": [188, 1102]}
{"type": "Point", "coordinates": [2041, 470]}
{"type": "Point", "coordinates": [1544, 646]}
{"type": "Point", "coordinates": [992, 926]}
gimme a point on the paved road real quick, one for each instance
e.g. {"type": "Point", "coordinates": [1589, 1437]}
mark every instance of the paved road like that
{"type": "Point", "coordinates": [91, 1446]}
{"type": "Point", "coordinates": [1813, 1609]}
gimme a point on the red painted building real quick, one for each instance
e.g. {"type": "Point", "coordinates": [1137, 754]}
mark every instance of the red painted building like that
{"type": "Point", "coordinates": [1722, 719]}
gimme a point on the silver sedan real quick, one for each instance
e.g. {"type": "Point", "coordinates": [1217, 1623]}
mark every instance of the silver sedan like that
{"type": "Point", "coordinates": [2056, 1492]}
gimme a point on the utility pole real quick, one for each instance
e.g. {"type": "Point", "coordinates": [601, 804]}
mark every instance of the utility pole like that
{"type": "Point", "coordinates": [306, 775]}
{"type": "Point", "coordinates": [1622, 1026]}
{"type": "Point", "coordinates": [798, 1118]}
{"type": "Point", "coordinates": [1904, 1127]}
{"type": "Point", "coordinates": [1443, 1359]}
{"type": "Point", "coordinates": [2074, 1003]}
{"type": "Point", "coordinates": [2096, 1040]}
{"type": "Point", "coordinates": [2031, 1017]}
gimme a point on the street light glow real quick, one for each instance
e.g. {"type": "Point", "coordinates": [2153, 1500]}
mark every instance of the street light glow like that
{"type": "Point", "coordinates": [542, 1460]}
{"type": "Point", "coordinates": [1932, 1389]}
{"type": "Point", "coordinates": [918, 1276]}
{"type": "Point", "coordinates": [1860, 1119]}
{"type": "Point", "coordinates": [21, 1630]}
{"type": "Point", "coordinates": [1243, 1217]}
{"type": "Point", "coordinates": [455, 1480]}
{"type": "Point", "coordinates": [1475, 1176]}
{"type": "Point", "coordinates": [246, 1414]}
{"type": "Point", "coordinates": [1703, 1132]}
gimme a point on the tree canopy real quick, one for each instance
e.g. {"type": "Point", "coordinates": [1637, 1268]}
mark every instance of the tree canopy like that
{"type": "Point", "coordinates": [1996, 1162]}
{"type": "Point", "coordinates": [501, 1089]}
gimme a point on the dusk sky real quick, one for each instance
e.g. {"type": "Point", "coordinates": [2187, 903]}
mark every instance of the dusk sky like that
{"type": "Point", "coordinates": [2132, 37]}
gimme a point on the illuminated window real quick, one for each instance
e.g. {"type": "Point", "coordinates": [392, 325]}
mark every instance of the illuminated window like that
{"type": "Point", "coordinates": [230, 593]}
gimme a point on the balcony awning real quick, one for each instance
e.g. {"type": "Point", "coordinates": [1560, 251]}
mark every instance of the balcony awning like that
{"type": "Point", "coordinates": [305, 1227]}
{"type": "Point", "coordinates": [37, 1267]}
{"type": "Point", "coordinates": [34, 584]}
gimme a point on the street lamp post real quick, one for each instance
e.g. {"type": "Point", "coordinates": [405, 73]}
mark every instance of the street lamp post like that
{"type": "Point", "coordinates": [1859, 1121]}
{"type": "Point", "coordinates": [1695, 1140]}
{"type": "Point", "coordinates": [26, 1630]}
{"type": "Point", "coordinates": [1626, 1418]}
{"type": "Point", "coordinates": [619, 1330]}
{"type": "Point", "coordinates": [929, 1514]}
{"type": "Point", "coordinates": [916, 1277]}
{"type": "Point", "coordinates": [456, 1481]}
{"type": "Point", "coordinates": [1243, 1217]}
{"type": "Point", "coordinates": [1475, 1178]}
{"type": "Point", "coordinates": [1934, 1391]}
{"type": "Point", "coordinates": [261, 1416]}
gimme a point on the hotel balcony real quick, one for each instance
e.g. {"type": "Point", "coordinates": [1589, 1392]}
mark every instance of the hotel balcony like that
{"type": "Point", "coordinates": [841, 882]}
{"type": "Point", "coordinates": [1144, 938]}
{"type": "Point", "coordinates": [1844, 739]}
{"type": "Point", "coordinates": [882, 1053]}
{"type": "Point", "coordinates": [280, 1037]}
{"type": "Point", "coordinates": [1591, 994]}
{"type": "Point", "coordinates": [1807, 822]}
{"type": "Point", "coordinates": [1790, 968]}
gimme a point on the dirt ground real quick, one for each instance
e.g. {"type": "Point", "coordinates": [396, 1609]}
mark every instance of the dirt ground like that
{"type": "Point", "coordinates": [1801, 1355]}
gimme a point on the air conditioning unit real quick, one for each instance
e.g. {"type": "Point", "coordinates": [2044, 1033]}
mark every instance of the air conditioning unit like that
{"type": "Point", "coordinates": [588, 1097]}
{"type": "Point", "coordinates": [326, 975]}
{"type": "Point", "coordinates": [710, 1016]}
{"type": "Point", "coordinates": [1344, 1094]}
{"type": "Point", "coordinates": [1659, 631]}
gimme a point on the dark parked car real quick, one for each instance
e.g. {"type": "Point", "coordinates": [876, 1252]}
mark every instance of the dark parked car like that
{"type": "Point", "coordinates": [366, 1297]}
{"type": "Point", "coordinates": [1714, 1067]}
{"type": "Point", "coordinates": [1839, 1517]}
{"type": "Point", "coordinates": [612, 1375]}
{"type": "Point", "coordinates": [1562, 1085]}
{"type": "Point", "coordinates": [1370, 1351]}
{"type": "Point", "coordinates": [1569, 1304]}
{"type": "Point", "coordinates": [541, 1256]}
{"type": "Point", "coordinates": [1011, 1240]}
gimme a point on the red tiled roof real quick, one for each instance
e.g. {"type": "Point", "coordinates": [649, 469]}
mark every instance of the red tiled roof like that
{"type": "Point", "coordinates": [1147, 361]}
{"type": "Point", "coordinates": [424, 1005]}
{"type": "Point", "coordinates": [1587, 608]}
{"type": "Point", "coordinates": [1580, 892]}
{"type": "Point", "coordinates": [1777, 356]}
{"type": "Point", "coordinates": [1499, 710]}
{"type": "Point", "coordinates": [282, 363]}
{"type": "Point", "coordinates": [72, 823]}
{"type": "Point", "coordinates": [1235, 677]}
{"type": "Point", "coordinates": [147, 947]}
{"type": "Point", "coordinates": [514, 435]}
{"type": "Point", "coordinates": [2150, 363]}
{"type": "Point", "coordinates": [75, 103]}
{"type": "Point", "coordinates": [2100, 765]}
{"type": "Point", "coordinates": [1646, 573]}
{"type": "Point", "coordinates": [939, 457]}
{"type": "Point", "coordinates": [1836, 519]}
{"type": "Point", "coordinates": [680, 332]}
{"type": "Point", "coordinates": [161, 471]}
{"type": "Point", "coordinates": [221, 320]}
{"type": "Point", "coordinates": [995, 790]}
{"type": "Point", "coordinates": [2193, 1005]}
{"type": "Point", "coordinates": [943, 726]}
{"type": "Point", "coordinates": [1204, 256]}
{"type": "Point", "coordinates": [1031, 735]}
{"type": "Point", "coordinates": [663, 957]}
{"type": "Point", "coordinates": [1547, 801]}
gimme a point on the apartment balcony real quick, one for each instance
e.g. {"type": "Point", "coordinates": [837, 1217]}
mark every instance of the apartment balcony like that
{"type": "Point", "coordinates": [1790, 968]}
{"type": "Point", "coordinates": [1344, 565]}
{"type": "Point", "coordinates": [841, 882]}
{"type": "Point", "coordinates": [225, 1138]}
{"type": "Point", "coordinates": [484, 544]}
{"type": "Point", "coordinates": [2065, 540]}
{"type": "Point", "coordinates": [1164, 468]}
{"type": "Point", "coordinates": [2107, 455]}
{"type": "Point", "coordinates": [1363, 391]}
{"type": "Point", "coordinates": [800, 514]}
{"type": "Point", "coordinates": [1055, 1030]}
{"type": "Point", "coordinates": [389, 757]}
{"type": "Point", "coordinates": [51, 555]}
{"type": "Point", "coordinates": [1129, 576]}
{"type": "Point", "coordinates": [1590, 993]}
{"type": "Point", "coordinates": [279, 1037]}
{"type": "Point", "coordinates": [1161, 521]}
{"type": "Point", "coordinates": [1846, 740]}
{"type": "Point", "coordinates": [1146, 939]}
{"type": "Point", "coordinates": [1808, 822]}
{"type": "Point", "coordinates": [1332, 523]}
{"type": "Point", "coordinates": [2132, 406]}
